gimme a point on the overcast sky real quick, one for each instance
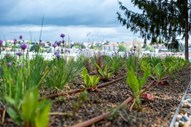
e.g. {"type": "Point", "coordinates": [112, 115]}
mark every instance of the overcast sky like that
{"type": "Point", "coordinates": [95, 20]}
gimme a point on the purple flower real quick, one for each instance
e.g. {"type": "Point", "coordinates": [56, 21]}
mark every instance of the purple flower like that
{"type": "Point", "coordinates": [62, 35]}
{"type": "Point", "coordinates": [54, 45]}
{"type": "Point", "coordinates": [23, 46]}
{"type": "Point", "coordinates": [58, 43]}
{"type": "Point", "coordinates": [20, 37]}
{"type": "Point", "coordinates": [1, 42]}
{"type": "Point", "coordinates": [9, 64]}
{"type": "Point", "coordinates": [63, 41]}
{"type": "Point", "coordinates": [14, 41]}
{"type": "Point", "coordinates": [57, 54]}
{"type": "Point", "coordinates": [19, 54]}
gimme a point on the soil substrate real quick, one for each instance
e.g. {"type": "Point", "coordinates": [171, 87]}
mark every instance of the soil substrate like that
{"type": "Point", "coordinates": [156, 113]}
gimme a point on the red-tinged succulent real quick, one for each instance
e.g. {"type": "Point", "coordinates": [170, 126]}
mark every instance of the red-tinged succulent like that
{"type": "Point", "coordinates": [147, 96]}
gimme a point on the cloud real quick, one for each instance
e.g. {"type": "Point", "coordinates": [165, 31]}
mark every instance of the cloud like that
{"type": "Point", "coordinates": [73, 17]}
{"type": "Point", "coordinates": [60, 12]}
{"type": "Point", "coordinates": [76, 33]}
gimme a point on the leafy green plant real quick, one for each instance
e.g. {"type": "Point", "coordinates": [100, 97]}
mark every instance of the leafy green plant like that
{"type": "Point", "coordinates": [154, 61]}
{"type": "Point", "coordinates": [90, 81]}
{"type": "Point", "coordinates": [105, 73]}
{"type": "Point", "coordinates": [99, 60]}
{"type": "Point", "coordinates": [160, 72]}
{"type": "Point", "coordinates": [174, 64]}
{"type": "Point", "coordinates": [132, 61]}
{"type": "Point", "coordinates": [136, 82]}
{"type": "Point", "coordinates": [9, 58]}
{"type": "Point", "coordinates": [17, 79]}
{"type": "Point", "coordinates": [171, 66]}
{"type": "Point", "coordinates": [63, 71]}
{"type": "Point", "coordinates": [115, 63]}
{"type": "Point", "coordinates": [38, 69]}
{"type": "Point", "coordinates": [31, 112]}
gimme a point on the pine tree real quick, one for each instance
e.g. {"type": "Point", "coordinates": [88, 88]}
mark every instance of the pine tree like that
{"type": "Point", "coordinates": [164, 20]}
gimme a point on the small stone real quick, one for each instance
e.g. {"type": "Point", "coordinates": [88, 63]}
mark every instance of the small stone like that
{"type": "Point", "coordinates": [178, 117]}
{"type": "Point", "coordinates": [189, 112]}
{"type": "Point", "coordinates": [189, 99]}
{"type": "Point", "coordinates": [183, 111]}
{"type": "Point", "coordinates": [186, 114]}
{"type": "Point", "coordinates": [176, 124]}
{"type": "Point", "coordinates": [181, 124]}
{"type": "Point", "coordinates": [60, 109]}
{"type": "Point", "coordinates": [190, 118]}
{"type": "Point", "coordinates": [184, 118]}
{"type": "Point", "coordinates": [186, 105]}
{"type": "Point", "coordinates": [186, 124]}
{"type": "Point", "coordinates": [185, 101]}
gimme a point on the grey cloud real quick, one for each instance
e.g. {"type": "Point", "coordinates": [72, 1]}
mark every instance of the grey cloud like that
{"type": "Point", "coordinates": [59, 12]}
{"type": "Point", "coordinates": [73, 17]}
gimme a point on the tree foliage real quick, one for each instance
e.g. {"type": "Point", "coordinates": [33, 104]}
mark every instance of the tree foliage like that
{"type": "Point", "coordinates": [164, 20]}
{"type": "Point", "coordinates": [121, 48]}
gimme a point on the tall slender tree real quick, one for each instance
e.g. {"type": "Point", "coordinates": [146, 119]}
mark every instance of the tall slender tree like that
{"type": "Point", "coordinates": [165, 20]}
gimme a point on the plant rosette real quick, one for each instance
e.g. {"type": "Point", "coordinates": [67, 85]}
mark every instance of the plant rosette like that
{"type": "Point", "coordinates": [147, 96]}
{"type": "Point", "coordinates": [90, 81]}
